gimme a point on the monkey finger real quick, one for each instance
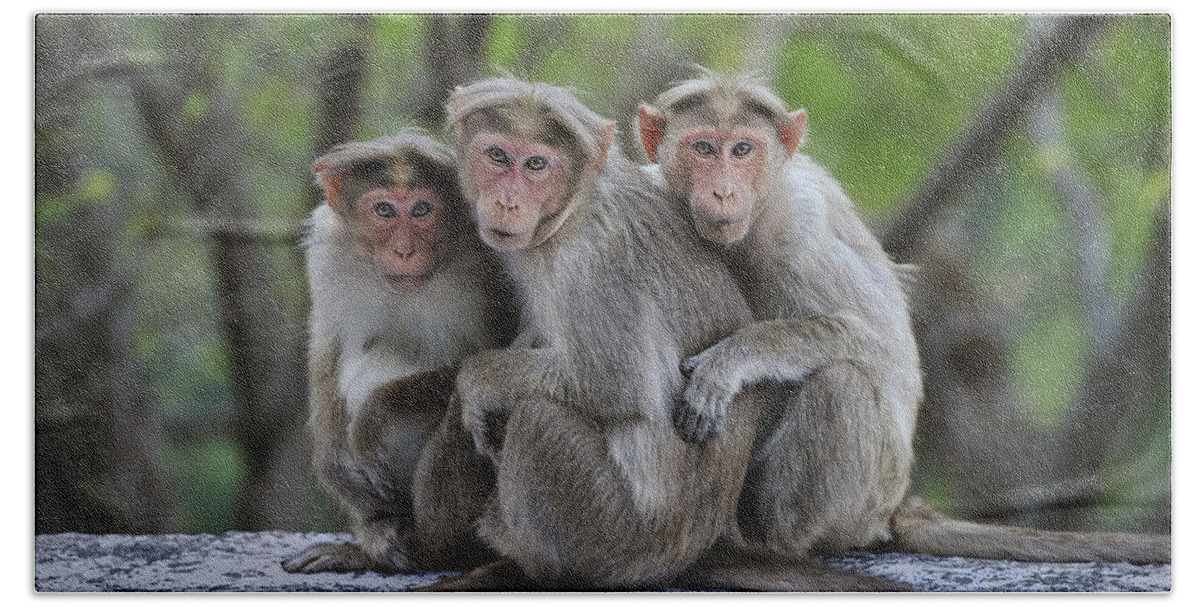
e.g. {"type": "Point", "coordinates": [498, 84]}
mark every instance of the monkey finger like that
{"type": "Point", "coordinates": [690, 427]}
{"type": "Point", "coordinates": [680, 419]}
{"type": "Point", "coordinates": [703, 430]}
{"type": "Point", "coordinates": [719, 422]}
{"type": "Point", "coordinates": [679, 416]}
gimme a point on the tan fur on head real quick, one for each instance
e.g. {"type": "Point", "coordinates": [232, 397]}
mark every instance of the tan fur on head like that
{"type": "Point", "coordinates": [408, 148]}
{"type": "Point", "coordinates": [406, 142]}
{"type": "Point", "coordinates": [727, 90]}
{"type": "Point", "coordinates": [535, 103]}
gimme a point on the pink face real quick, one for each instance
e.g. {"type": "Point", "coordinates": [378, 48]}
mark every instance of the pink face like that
{"type": "Point", "coordinates": [722, 167]}
{"type": "Point", "coordinates": [520, 189]}
{"type": "Point", "coordinates": [403, 230]}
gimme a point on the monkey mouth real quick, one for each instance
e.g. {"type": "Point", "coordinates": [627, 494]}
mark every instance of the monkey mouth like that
{"type": "Point", "coordinates": [723, 230]}
{"type": "Point", "coordinates": [503, 239]}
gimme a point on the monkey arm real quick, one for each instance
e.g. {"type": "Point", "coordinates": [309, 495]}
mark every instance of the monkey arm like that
{"type": "Point", "coordinates": [328, 417]}
{"type": "Point", "coordinates": [778, 349]}
{"type": "Point", "coordinates": [490, 381]}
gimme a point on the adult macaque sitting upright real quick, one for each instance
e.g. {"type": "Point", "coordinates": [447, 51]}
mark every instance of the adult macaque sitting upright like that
{"type": "Point", "coordinates": [832, 335]}
{"type": "Point", "coordinates": [400, 285]}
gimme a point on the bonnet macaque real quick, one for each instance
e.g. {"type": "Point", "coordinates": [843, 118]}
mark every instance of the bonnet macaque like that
{"type": "Point", "coordinates": [400, 285]}
{"type": "Point", "coordinates": [831, 338]}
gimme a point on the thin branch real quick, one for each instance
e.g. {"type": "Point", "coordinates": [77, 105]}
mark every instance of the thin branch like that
{"type": "Point", "coordinates": [1085, 220]}
{"type": "Point", "coordinates": [980, 144]}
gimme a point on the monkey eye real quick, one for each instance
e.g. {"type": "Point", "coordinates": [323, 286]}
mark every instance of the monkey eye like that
{"type": "Point", "coordinates": [496, 154]}
{"type": "Point", "coordinates": [742, 148]}
{"type": "Point", "coordinates": [704, 148]}
{"type": "Point", "coordinates": [536, 163]}
{"type": "Point", "coordinates": [420, 209]}
{"type": "Point", "coordinates": [384, 209]}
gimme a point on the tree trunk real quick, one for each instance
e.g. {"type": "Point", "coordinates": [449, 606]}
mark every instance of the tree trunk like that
{"type": "Point", "coordinates": [453, 56]}
{"type": "Point", "coordinates": [265, 347]}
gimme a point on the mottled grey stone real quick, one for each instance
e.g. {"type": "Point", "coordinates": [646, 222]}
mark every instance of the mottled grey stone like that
{"type": "Point", "coordinates": [249, 561]}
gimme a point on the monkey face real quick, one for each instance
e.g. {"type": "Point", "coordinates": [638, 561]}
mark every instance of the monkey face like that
{"type": "Point", "coordinates": [719, 173]}
{"type": "Point", "coordinates": [402, 228]}
{"type": "Point", "coordinates": [520, 188]}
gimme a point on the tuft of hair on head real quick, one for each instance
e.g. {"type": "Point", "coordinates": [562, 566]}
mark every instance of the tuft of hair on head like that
{"type": "Point", "coordinates": [537, 99]}
{"type": "Point", "coordinates": [724, 87]}
{"type": "Point", "coordinates": [409, 140]}
{"type": "Point", "coordinates": [432, 163]}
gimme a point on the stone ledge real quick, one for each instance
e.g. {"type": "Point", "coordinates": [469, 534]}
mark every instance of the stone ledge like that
{"type": "Point", "coordinates": [249, 561]}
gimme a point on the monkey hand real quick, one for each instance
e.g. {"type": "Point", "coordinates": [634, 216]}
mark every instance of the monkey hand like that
{"type": "Point", "coordinates": [701, 414]}
{"type": "Point", "coordinates": [328, 557]}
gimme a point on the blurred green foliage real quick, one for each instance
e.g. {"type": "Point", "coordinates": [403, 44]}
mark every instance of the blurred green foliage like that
{"type": "Point", "coordinates": [885, 94]}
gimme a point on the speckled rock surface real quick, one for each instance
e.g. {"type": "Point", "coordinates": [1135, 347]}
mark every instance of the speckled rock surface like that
{"type": "Point", "coordinates": [249, 561]}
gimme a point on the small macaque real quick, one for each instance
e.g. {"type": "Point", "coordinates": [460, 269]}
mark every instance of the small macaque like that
{"type": "Point", "coordinates": [594, 489]}
{"type": "Point", "coordinates": [831, 339]}
{"type": "Point", "coordinates": [401, 292]}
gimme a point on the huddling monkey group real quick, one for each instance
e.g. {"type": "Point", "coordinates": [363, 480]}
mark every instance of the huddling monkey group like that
{"type": "Point", "coordinates": [539, 363]}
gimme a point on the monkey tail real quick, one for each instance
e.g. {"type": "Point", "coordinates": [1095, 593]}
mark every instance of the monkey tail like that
{"type": "Point", "coordinates": [918, 528]}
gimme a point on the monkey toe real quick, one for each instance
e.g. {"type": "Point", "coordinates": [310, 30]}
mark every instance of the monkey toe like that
{"type": "Point", "coordinates": [328, 557]}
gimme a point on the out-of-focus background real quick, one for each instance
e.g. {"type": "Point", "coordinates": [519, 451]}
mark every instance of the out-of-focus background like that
{"type": "Point", "coordinates": [1022, 160]}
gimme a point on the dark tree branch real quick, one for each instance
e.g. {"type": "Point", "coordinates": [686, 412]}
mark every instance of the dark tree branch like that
{"type": "Point", "coordinates": [454, 56]}
{"type": "Point", "coordinates": [339, 87]}
{"type": "Point", "coordinates": [980, 143]}
{"type": "Point", "coordinates": [655, 66]}
{"type": "Point", "coordinates": [1084, 220]}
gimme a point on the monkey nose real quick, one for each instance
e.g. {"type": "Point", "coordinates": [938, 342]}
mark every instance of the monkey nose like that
{"type": "Point", "coordinates": [404, 250]}
{"type": "Point", "coordinates": [723, 194]}
{"type": "Point", "coordinates": [506, 203]}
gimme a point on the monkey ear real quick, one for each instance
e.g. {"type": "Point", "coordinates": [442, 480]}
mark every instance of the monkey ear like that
{"type": "Point", "coordinates": [333, 187]}
{"type": "Point", "coordinates": [791, 132]}
{"type": "Point", "coordinates": [606, 142]}
{"type": "Point", "coordinates": [650, 126]}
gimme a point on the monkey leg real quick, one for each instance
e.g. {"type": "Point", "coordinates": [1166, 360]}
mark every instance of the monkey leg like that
{"type": "Point", "coordinates": [501, 575]}
{"type": "Point", "coordinates": [453, 485]}
{"type": "Point", "coordinates": [828, 473]}
{"type": "Point", "coordinates": [369, 466]}
{"type": "Point", "coordinates": [740, 569]}
{"type": "Point", "coordinates": [630, 508]}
